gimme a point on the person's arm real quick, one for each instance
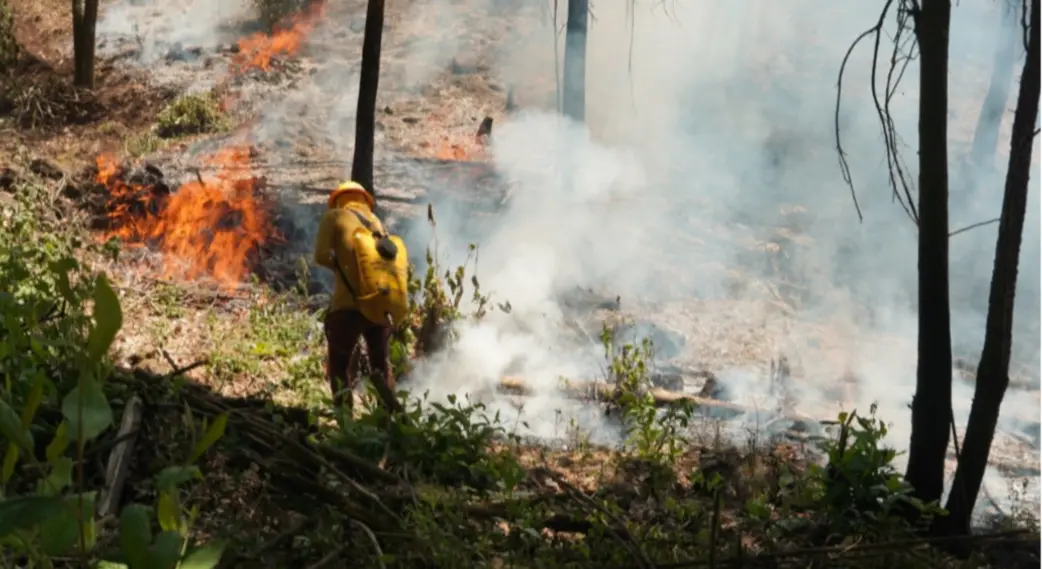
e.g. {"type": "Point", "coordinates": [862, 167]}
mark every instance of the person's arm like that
{"type": "Point", "coordinates": [324, 241]}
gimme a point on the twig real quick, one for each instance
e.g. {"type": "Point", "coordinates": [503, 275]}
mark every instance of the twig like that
{"type": "Point", "coordinates": [119, 460]}
{"type": "Point", "coordinates": [627, 542]}
{"type": "Point", "coordinates": [973, 226]}
{"type": "Point", "coordinates": [330, 557]}
{"type": "Point", "coordinates": [376, 544]}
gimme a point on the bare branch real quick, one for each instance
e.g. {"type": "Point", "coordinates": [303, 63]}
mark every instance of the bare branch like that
{"type": "Point", "coordinates": [973, 226]}
{"type": "Point", "coordinates": [904, 51]}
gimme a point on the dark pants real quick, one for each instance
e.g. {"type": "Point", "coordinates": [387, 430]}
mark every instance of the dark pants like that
{"type": "Point", "coordinates": [343, 329]}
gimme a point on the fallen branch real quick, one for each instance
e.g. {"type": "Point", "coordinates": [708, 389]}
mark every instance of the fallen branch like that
{"type": "Point", "coordinates": [119, 460]}
{"type": "Point", "coordinates": [663, 398]}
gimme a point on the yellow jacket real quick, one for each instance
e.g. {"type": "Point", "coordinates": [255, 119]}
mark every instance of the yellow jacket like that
{"type": "Point", "coordinates": [334, 237]}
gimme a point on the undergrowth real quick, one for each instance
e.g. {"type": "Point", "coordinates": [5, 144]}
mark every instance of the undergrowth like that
{"type": "Point", "coordinates": [194, 113]}
{"type": "Point", "coordinates": [446, 484]}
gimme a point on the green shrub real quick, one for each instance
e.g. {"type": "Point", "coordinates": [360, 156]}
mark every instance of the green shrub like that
{"type": "Point", "coordinates": [196, 113]}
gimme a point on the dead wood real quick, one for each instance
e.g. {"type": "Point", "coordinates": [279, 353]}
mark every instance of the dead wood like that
{"type": "Point", "coordinates": [604, 391]}
{"type": "Point", "coordinates": [119, 460]}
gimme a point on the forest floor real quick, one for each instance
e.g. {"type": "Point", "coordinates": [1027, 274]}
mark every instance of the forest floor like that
{"type": "Point", "coordinates": [207, 150]}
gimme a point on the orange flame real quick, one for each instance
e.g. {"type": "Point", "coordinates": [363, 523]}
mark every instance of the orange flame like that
{"type": "Point", "coordinates": [204, 228]}
{"type": "Point", "coordinates": [258, 50]}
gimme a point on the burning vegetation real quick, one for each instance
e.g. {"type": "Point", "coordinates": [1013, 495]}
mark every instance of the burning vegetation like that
{"type": "Point", "coordinates": [204, 228]}
{"type": "Point", "coordinates": [257, 51]}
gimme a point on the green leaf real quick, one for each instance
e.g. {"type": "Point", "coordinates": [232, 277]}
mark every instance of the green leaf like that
{"type": "Point", "coordinates": [59, 534]}
{"type": "Point", "coordinates": [166, 551]}
{"type": "Point", "coordinates": [95, 412]}
{"type": "Point", "coordinates": [58, 479]}
{"type": "Point", "coordinates": [168, 510]}
{"type": "Point", "coordinates": [215, 432]}
{"type": "Point", "coordinates": [135, 535]}
{"type": "Point", "coordinates": [60, 442]}
{"type": "Point", "coordinates": [205, 557]}
{"type": "Point", "coordinates": [11, 428]}
{"type": "Point", "coordinates": [10, 461]}
{"type": "Point", "coordinates": [108, 319]}
{"type": "Point", "coordinates": [172, 477]}
{"type": "Point", "coordinates": [24, 512]}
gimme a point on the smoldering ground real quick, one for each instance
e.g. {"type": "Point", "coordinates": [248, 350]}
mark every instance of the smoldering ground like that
{"type": "Point", "coordinates": [723, 122]}
{"type": "Point", "coordinates": [708, 126]}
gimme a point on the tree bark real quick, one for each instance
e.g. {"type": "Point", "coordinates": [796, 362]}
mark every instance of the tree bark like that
{"type": "Point", "coordinates": [368, 84]}
{"type": "Point", "coordinates": [931, 405]}
{"type": "Point", "coordinates": [574, 96]}
{"type": "Point", "coordinates": [986, 134]}
{"type": "Point", "coordinates": [84, 18]}
{"type": "Point", "coordinates": [993, 369]}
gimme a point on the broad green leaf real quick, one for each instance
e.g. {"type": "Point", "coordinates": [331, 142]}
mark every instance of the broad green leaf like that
{"type": "Point", "coordinates": [10, 461]}
{"type": "Point", "coordinates": [62, 531]}
{"type": "Point", "coordinates": [215, 432]}
{"type": "Point", "coordinates": [111, 565]}
{"type": "Point", "coordinates": [33, 401]}
{"type": "Point", "coordinates": [58, 479]}
{"type": "Point", "coordinates": [135, 535]}
{"type": "Point", "coordinates": [168, 510]}
{"type": "Point", "coordinates": [172, 477]}
{"type": "Point", "coordinates": [95, 412]}
{"type": "Point", "coordinates": [11, 428]}
{"type": "Point", "coordinates": [60, 442]}
{"type": "Point", "coordinates": [59, 534]}
{"type": "Point", "coordinates": [108, 319]}
{"type": "Point", "coordinates": [166, 551]}
{"type": "Point", "coordinates": [205, 557]}
{"type": "Point", "coordinates": [23, 512]}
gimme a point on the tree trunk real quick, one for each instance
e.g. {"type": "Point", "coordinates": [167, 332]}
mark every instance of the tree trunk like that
{"type": "Point", "coordinates": [931, 405]}
{"type": "Point", "coordinates": [993, 369]}
{"type": "Point", "coordinates": [986, 135]}
{"type": "Point", "coordinates": [84, 18]}
{"type": "Point", "coordinates": [368, 83]}
{"type": "Point", "coordinates": [574, 97]}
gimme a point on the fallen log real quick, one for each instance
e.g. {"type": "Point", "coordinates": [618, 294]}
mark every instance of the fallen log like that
{"type": "Point", "coordinates": [604, 391]}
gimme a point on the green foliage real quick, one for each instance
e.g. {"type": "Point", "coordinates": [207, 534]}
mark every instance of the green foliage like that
{"type": "Point", "coordinates": [658, 438]}
{"type": "Point", "coordinates": [858, 491]}
{"type": "Point", "coordinates": [190, 114]}
{"type": "Point", "coordinates": [59, 321]}
{"type": "Point", "coordinates": [446, 444]}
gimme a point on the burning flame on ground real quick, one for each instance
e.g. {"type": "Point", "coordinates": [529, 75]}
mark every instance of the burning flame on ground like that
{"type": "Point", "coordinates": [258, 50]}
{"type": "Point", "coordinates": [204, 228]}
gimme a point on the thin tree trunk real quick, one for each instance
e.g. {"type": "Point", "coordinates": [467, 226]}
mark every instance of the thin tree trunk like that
{"type": "Point", "coordinates": [84, 18]}
{"type": "Point", "coordinates": [993, 369]}
{"type": "Point", "coordinates": [986, 135]}
{"type": "Point", "coordinates": [368, 84]}
{"type": "Point", "coordinates": [931, 405]}
{"type": "Point", "coordinates": [574, 100]}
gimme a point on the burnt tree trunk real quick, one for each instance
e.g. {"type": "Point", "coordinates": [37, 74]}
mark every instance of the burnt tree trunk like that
{"type": "Point", "coordinates": [993, 369]}
{"type": "Point", "coordinates": [368, 84]}
{"type": "Point", "coordinates": [986, 134]}
{"type": "Point", "coordinates": [931, 405]}
{"type": "Point", "coordinates": [84, 18]}
{"type": "Point", "coordinates": [574, 89]}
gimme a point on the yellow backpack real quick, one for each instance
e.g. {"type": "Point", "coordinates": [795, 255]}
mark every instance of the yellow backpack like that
{"type": "Point", "coordinates": [383, 274]}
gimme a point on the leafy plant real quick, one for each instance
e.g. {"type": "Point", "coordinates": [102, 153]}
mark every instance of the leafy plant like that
{"type": "Point", "coordinates": [658, 438]}
{"type": "Point", "coordinates": [451, 444]}
{"type": "Point", "coordinates": [190, 114]}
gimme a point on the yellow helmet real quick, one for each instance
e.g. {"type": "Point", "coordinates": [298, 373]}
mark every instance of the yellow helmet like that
{"type": "Point", "coordinates": [350, 187]}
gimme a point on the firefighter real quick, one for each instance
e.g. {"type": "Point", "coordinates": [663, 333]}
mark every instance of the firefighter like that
{"type": "Point", "coordinates": [350, 207]}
